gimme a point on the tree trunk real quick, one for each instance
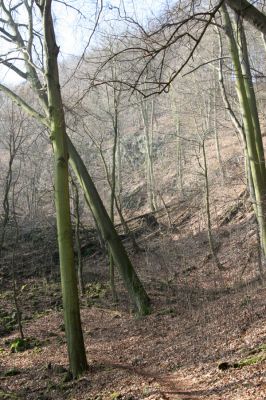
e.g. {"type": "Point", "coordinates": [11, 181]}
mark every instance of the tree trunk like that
{"type": "Point", "coordinates": [113, 192]}
{"type": "Point", "coordinates": [75, 343]}
{"type": "Point", "coordinates": [135, 289]}
{"type": "Point", "coordinates": [246, 73]}
{"type": "Point", "coordinates": [179, 147]}
{"type": "Point", "coordinates": [216, 134]}
{"type": "Point", "coordinates": [131, 280]}
{"type": "Point", "coordinates": [208, 213]}
{"type": "Point", "coordinates": [256, 167]}
{"type": "Point", "coordinates": [77, 236]}
{"type": "Point", "coordinates": [148, 134]}
{"type": "Point", "coordinates": [249, 13]}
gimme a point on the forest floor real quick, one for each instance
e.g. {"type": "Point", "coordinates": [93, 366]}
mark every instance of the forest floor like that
{"type": "Point", "coordinates": [205, 337]}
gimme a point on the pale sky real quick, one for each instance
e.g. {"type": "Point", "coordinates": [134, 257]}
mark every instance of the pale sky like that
{"type": "Point", "coordinates": [73, 30]}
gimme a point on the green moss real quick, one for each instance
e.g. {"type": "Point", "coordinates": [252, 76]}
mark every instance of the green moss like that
{"type": "Point", "coordinates": [11, 372]}
{"type": "Point", "coordinates": [39, 314]}
{"type": "Point", "coordinates": [8, 321]}
{"type": "Point", "coordinates": [115, 396]}
{"type": "Point", "coordinates": [19, 345]}
{"type": "Point", "coordinates": [256, 355]}
{"type": "Point", "coordinates": [146, 391]}
{"type": "Point", "coordinates": [167, 311]}
{"type": "Point", "coordinates": [250, 360]}
{"type": "Point", "coordinates": [8, 396]}
{"type": "Point", "coordinates": [175, 367]}
{"type": "Point", "coordinates": [95, 290]}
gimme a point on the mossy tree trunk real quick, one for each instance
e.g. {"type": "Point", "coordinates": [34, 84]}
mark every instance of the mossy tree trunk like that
{"type": "Point", "coordinates": [237, 124]}
{"type": "Point", "coordinates": [257, 165]}
{"type": "Point", "coordinates": [131, 280]}
{"type": "Point", "coordinates": [247, 76]}
{"type": "Point", "coordinates": [135, 289]}
{"type": "Point", "coordinates": [129, 276]}
{"type": "Point", "coordinates": [75, 343]}
{"type": "Point", "coordinates": [246, 73]}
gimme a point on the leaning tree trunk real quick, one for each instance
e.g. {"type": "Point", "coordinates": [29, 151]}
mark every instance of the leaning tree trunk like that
{"type": "Point", "coordinates": [131, 280]}
{"type": "Point", "coordinates": [75, 343]}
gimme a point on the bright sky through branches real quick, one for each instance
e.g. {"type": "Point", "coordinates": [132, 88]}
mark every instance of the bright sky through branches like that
{"type": "Point", "coordinates": [75, 22]}
{"type": "Point", "coordinates": [73, 30]}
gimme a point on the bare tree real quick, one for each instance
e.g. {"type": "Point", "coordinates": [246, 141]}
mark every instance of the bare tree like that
{"type": "Point", "coordinates": [152, 47]}
{"type": "Point", "coordinates": [33, 71]}
{"type": "Point", "coordinates": [12, 139]}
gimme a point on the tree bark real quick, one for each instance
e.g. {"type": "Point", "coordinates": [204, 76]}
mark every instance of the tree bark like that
{"type": "Point", "coordinates": [77, 236]}
{"type": "Point", "coordinates": [249, 13]}
{"type": "Point", "coordinates": [75, 342]}
{"type": "Point", "coordinates": [148, 136]}
{"type": "Point", "coordinates": [131, 280]}
{"type": "Point", "coordinates": [256, 167]}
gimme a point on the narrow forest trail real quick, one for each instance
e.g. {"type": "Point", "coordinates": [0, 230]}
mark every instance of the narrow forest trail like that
{"type": "Point", "coordinates": [172, 388]}
{"type": "Point", "coordinates": [164, 356]}
{"type": "Point", "coordinates": [166, 386]}
{"type": "Point", "coordinates": [200, 318]}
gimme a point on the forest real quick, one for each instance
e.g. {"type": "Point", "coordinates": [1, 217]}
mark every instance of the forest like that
{"type": "Point", "coordinates": [132, 200]}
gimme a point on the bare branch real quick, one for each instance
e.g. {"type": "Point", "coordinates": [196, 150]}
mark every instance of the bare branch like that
{"type": "Point", "coordinates": [88, 43]}
{"type": "Point", "coordinates": [15, 69]}
{"type": "Point", "coordinates": [206, 63]}
{"type": "Point", "coordinates": [25, 106]}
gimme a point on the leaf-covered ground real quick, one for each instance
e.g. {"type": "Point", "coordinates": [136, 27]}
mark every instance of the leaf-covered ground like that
{"type": "Point", "coordinates": [205, 338]}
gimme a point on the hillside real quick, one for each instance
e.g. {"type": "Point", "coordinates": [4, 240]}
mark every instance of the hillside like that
{"type": "Point", "coordinates": [205, 338]}
{"type": "Point", "coordinates": [132, 200]}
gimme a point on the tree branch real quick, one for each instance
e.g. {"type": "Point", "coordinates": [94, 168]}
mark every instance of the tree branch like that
{"type": "Point", "coordinates": [10, 65]}
{"type": "Point", "coordinates": [25, 106]}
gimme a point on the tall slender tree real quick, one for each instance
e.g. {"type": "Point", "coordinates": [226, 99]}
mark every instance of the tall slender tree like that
{"type": "Point", "coordinates": [50, 118]}
{"type": "Point", "coordinates": [56, 118]}
{"type": "Point", "coordinates": [246, 96]}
